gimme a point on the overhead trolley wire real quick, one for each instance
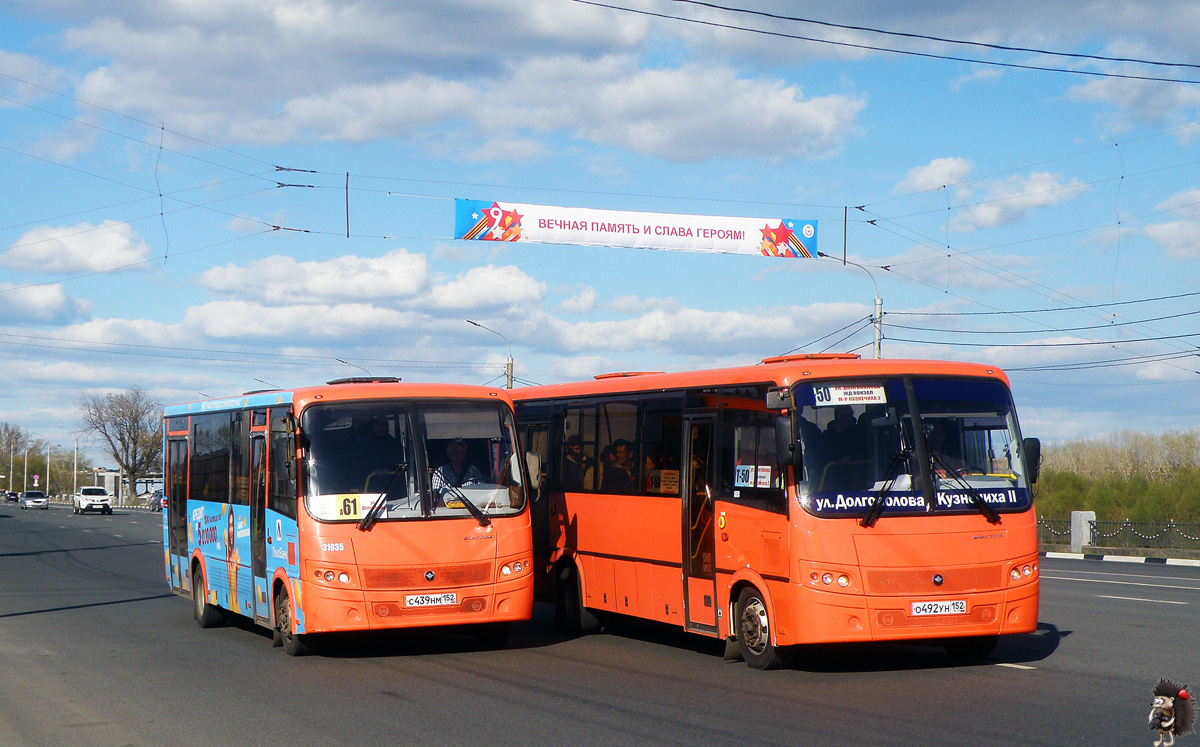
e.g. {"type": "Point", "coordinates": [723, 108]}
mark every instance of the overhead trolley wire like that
{"type": "Point", "coordinates": [943, 40]}
{"type": "Point", "coordinates": [892, 50]}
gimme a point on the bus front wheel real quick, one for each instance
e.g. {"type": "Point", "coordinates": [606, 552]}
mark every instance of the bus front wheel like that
{"type": "Point", "coordinates": [294, 644]}
{"type": "Point", "coordinates": [569, 612]}
{"type": "Point", "coordinates": [205, 614]}
{"type": "Point", "coordinates": [754, 631]}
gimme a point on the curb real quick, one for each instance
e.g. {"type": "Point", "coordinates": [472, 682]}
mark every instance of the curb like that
{"type": "Point", "coordinates": [1121, 558]}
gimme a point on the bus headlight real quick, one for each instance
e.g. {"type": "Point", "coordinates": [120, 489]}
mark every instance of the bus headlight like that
{"type": "Point", "coordinates": [516, 568]}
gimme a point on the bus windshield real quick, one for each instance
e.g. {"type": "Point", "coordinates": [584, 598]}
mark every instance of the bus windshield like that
{"type": "Point", "coordinates": [863, 443]}
{"type": "Point", "coordinates": [388, 460]}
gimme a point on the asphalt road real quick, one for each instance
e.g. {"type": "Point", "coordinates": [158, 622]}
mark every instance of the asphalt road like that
{"type": "Point", "coordinates": [94, 651]}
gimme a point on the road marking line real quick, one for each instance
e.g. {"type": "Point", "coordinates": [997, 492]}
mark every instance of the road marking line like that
{"type": "Point", "coordinates": [1121, 583]}
{"type": "Point", "coordinates": [1126, 575]}
{"type": "Point", "coordinates": [1139, 599]}
{"type": "Point", "coordinates": [1015, 666]}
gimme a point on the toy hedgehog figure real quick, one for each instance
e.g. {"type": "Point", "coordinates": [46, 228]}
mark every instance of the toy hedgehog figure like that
{"type": "Point", "coordinates": [1173, 712]}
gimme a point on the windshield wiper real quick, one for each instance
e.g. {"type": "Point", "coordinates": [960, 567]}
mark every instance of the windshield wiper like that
{"type": "Point", "coordinates": [474, 510]}
{"type": "Point", "coordinates": [372, 515]}
{"type": "Point", "coordinates": [889, 480]}
{"type": "Point", "coordinates": [984, 507]}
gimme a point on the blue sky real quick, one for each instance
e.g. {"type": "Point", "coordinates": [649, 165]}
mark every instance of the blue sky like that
{"type": "Point", "coordinates": [1018, 217]}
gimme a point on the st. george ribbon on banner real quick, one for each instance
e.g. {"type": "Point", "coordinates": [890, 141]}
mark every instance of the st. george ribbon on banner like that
{"type": "Point", "coordinates": [481, 220]}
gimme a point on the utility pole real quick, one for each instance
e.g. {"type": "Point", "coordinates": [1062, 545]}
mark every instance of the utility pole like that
{"type": "Point", "coordinates": [508, 366]}
{"type": "Point", "coordinates": [877, 314]}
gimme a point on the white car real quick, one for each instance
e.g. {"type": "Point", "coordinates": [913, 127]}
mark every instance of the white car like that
{"type": "Point", "coordinates": [91, 499]}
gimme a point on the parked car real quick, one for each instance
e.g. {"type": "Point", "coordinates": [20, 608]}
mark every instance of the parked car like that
{"type": "Point", "coordinates": [157, 501]}
{"type": "Point", "coordinates": [34, 499]}
{"type": "Point", "coordinates": [91, 499]}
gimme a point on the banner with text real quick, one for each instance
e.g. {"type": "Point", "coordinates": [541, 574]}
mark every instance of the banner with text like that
{"type": "Point", "coordinates": [480, 220]}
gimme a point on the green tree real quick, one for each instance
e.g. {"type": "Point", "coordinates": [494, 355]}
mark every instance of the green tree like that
{"type": "Point", "coordinates": [131, 425]}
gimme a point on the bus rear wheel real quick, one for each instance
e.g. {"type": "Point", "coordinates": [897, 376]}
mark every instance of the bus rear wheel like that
{"type": "Point", "coordinates": [205, 614]}
{"type": "Point", "coordinates": [754, 631]}
{"type": "Point", "coordinates": [294, 644]}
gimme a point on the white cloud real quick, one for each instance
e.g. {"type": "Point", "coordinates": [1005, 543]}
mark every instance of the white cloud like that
{"type": "Point", "coordinates": [581, 303]}
{"type": "Point", "coordinates": [580, 367]}
{"type": "Point", "coordinates": [1008, 201]}
{"type": "Point", "coordinates": [41, 304]}
{"type": "Point", "coordinates": [332, 71]}
{"type": "Point", "coordinates": [1139, 101]}
{"type": "Point", "coordinates": [939, 172]}
{"type": "Point", "coordinates": [982, 75]}
{"type": "Point", "coordinates": [1180, 238]}
{"type": "Point", "coordinates": [685, 114]}
{"type": "Point", "coordinates": [245, 319]}
{"type": "Point", "coordinates": [362, 113]}
{"type": "Point", "coordinates": [84, 247]}
{"type": "Point", "coordinates": [392, 277]}
{"type": "Point", "coordinates": [488, 287]}
{"type": "Point", "coordinates": [719, 332]}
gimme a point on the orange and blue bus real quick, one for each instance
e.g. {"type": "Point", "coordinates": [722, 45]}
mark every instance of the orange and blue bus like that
{"type": "Point", "coordinates": [362, 504]}
{"type": "Point", "coordinates": [808, 499]}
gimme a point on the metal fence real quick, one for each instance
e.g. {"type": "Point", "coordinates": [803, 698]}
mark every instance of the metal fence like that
{"type": "Point", "coordinates": [1054, 531]}
{"type": "Point", "coordinates": [1145, 534]}
{"type": "Point", "coordinates": [1131, 534]}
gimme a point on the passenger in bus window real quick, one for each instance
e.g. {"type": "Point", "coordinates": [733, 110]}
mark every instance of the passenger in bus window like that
{"type": "Point", "coordinates": [621, 476]}
{"type": "Point", "coordinates": [945, 446]}
{"type": "Point", "coordinates": [456, 472]}
{"type": "Point", "coordinates": [595, 474]}
{"type": "Point", "coordinates": [576, 463]}
{"type": "Point", "coordinates": [843, 437]}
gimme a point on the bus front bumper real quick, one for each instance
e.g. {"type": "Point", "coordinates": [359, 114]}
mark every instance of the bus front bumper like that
{"type": "Point", "coordinates": [838, 617]}
{"type": "Point", "coordinates": [328, 610]}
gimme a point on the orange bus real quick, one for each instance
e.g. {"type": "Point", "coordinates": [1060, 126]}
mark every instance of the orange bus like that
{"type": "Point", "coordinates": [362, 504]}
{"type": "Point", "coordinates": [809, 499]}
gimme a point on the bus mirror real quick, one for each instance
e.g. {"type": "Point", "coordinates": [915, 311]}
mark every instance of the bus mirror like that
{"type": "Point", "coordinates": [533, 461]}
{"type": "Point", "coordinates": [785, 442]}
{"type": "Point", "coordinates": [779, 399]}
{"type": "Point", "coordinates": [1032, 449]}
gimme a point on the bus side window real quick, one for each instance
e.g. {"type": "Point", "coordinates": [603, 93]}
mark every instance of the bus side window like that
{"type": "Point", "coordinates": [662, 445]}
{"type": "Point", "coordinates": [577, 453]}
{"type": "Point", "coordinates": [750, 472]}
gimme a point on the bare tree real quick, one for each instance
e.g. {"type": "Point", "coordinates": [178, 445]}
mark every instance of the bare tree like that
{"type": "Point", "coordinates": [15, 443]}
{"type": "Point", "coordinates": [131, 425]}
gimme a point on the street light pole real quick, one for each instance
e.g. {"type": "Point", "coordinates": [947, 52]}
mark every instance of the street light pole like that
{"type": "Point", "coordinates": [508, 368]}
{"type": "Point", "coordinates": [877, 314]}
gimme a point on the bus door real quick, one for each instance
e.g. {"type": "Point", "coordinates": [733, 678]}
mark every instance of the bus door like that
{"type": "Point", "coordinates": [536, 436]}
{"type": "Point", "coordinates": [699, 571]}
{"type": "Point", "coordinates": [176, 513]}
{"type": "Point", "coordinates": [258, 533]}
